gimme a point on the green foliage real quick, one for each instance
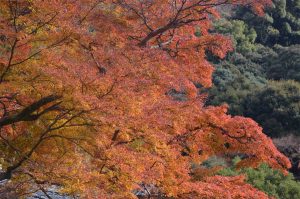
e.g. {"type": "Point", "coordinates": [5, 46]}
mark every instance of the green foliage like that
{"type": "Point", "coordinates": [233, 80]}
{"type": "Point", "coordinates": [271, 181]}
{"type": "Point", "coordinates": [214, 161]}
{"type": "Point", "coordinates": [285, 64]}
{"type": "Point", "coordinates": [242, 79]}
{"type": "Point", "coordinates": [228, 172]}
{"type": "Point", "coordinates": [280, 25]}
{"type": "Point", "coordinates": [236, 160]}
{"type": "Point", "coordinates": [243, 37]}
{"type": "Point", "coordinates": [276, 107]}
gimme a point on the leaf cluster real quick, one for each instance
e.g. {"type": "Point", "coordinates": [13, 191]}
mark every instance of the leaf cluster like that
{"type": "Point", "coordinates": [268, 180]}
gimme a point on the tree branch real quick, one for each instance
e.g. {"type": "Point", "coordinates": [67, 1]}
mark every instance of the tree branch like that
{"type": "Point", "coordinates": [27, 114]}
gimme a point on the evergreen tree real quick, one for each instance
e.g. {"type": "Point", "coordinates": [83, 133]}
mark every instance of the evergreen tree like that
{"type": "Point", "coordinates": [280, 24]}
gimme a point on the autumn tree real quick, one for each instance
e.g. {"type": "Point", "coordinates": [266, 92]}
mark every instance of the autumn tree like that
{"type": "Point", "coordinates": [86, 106]}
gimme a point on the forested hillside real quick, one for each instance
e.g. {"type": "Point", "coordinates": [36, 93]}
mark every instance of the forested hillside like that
{"type": "Point", "coordinates": [261, 78]}
{"type": "Point", "coordinates": [125, 98]}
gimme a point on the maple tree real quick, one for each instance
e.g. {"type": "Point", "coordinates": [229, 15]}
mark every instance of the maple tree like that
{"type": "Point", "coordinates": [86, 103]}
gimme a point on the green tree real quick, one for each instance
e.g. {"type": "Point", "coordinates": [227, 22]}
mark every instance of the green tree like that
{"type": "Point", "coordinates": [285, 64]}
{"type": "Point", "coordinates": [271, 181]}
{"type": "Point", "coordinates": [280, 24]}
{"type": "Point", "coordinates": [234, 79]}
{"type": "Point", "coordinates": [243, 37]}
{"type": "Point", "coordinates": [276, 107]}
{"type": "Point", "coordinates": [242, 77]}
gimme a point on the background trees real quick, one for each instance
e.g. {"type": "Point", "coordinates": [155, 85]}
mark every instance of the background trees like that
{"type": "Point", "coordinates": [280, 25]}
{"type": "Point", "coordinates": [284, 63]}
{"type": "Point", "coordinates": [276, 107]}
{"type": "Point", "coordinates": [258, 74]}
{"type": "Point", "coordinates": [260, 57]}
{"type": "Point", "coordinates": [270, 181]}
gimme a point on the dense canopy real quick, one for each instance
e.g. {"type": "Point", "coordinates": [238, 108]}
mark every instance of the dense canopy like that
{"type": "Point", "coordinates": [86, 103]}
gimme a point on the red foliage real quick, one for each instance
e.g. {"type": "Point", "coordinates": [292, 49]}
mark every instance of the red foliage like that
{"type": "Point", "coordinates": [111, 65]}
{"type": "Point", "coordinates": [225, 187]}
